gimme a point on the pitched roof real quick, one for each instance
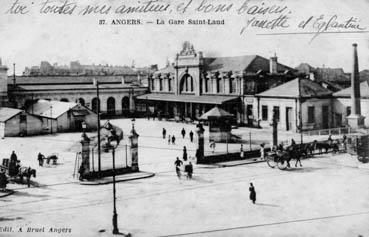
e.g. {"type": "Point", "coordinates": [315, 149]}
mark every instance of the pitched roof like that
{"type": "Point", "coordinates": [251, 63]}
{"type": "Point", "coordinates": [8, 113]}
{"type": "Point", "coordinates": [50, 109]}
{"type": "Point", "coordinates": [364, 91]}
{"type": "Point", "coordinates": [216, 112]}
{"type": "Point", "coordinates": [291, 89]}
{"type": "Point", "coordinates": [237, 63]}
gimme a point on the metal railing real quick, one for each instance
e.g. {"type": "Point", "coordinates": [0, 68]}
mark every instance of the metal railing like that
{"type": "Point", "coordinates": [330, 131]}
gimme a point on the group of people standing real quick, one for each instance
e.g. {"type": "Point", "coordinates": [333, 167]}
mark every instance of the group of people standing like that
{"type": "Point", "coordinates": [172, 138]}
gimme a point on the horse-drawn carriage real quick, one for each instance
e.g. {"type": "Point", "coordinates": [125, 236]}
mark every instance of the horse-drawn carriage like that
{"type": "Point", "coordinates": [14, 170]}
{"type": "Point", "coordinates": [282, 157]}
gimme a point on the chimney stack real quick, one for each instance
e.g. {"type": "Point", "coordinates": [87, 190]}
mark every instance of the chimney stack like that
{"type": "Point", "coordinates": [273, 64]}
{"type": "Point", "coordinates": [355, 119]}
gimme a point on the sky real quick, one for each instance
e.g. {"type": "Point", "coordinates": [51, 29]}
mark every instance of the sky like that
{"type": "Point", "coordinates": [27, 39]}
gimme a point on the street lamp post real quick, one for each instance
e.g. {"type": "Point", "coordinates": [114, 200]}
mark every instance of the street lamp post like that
{"type": "Point", "coordinates": [114, 144]}
{"type": "Point", "coordinates": [51, 119]}
{"type": "Point", "coordinates": [96, 83]}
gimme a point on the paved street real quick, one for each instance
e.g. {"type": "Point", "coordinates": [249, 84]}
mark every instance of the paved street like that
{"type": "Point", "coordinates": [328, 196]}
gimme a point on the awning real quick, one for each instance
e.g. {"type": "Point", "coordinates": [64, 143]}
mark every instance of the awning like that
{"type": "Point", "coordinates": [204, 99]}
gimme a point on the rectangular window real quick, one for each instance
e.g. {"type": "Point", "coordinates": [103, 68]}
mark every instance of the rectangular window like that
{"type": "Point", "coordinates": [311, 114]}
{"type": "Point", "coordinates": [169, 84]}
{"type": "Point", "coordinates": [264, 112]}
{"type": "Point", "coordinates": [348, 110]}
{"type": "Point", "coordinates": [276, 111]}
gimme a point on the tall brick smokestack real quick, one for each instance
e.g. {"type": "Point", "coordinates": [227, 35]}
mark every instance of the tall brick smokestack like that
{"type": "Point", "coordinates": [355, 84]}
{"type": "Point", "coordinates": [355, 119]}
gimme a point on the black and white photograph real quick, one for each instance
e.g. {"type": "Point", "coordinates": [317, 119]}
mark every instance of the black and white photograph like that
{"type": "Point", "coordinates": [204, 118]}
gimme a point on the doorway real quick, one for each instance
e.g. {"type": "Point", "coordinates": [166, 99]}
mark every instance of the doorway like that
{"type": "Point", "coordinates": [288, 118]}
{"type": "Point", "coordinates": [249, 115]}
{"type": "Point", "coordinates": [325, 116]}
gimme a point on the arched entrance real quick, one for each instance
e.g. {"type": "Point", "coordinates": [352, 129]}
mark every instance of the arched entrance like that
{"type": "Point", "coordinates": [110, 104]}
{"type": "Point", "coordinates": [125, 105]}
{"type": "Point", "coordinates": [81, 101]}
{"type": "Point", "coordinates": [186, 84]}
{"type": "Point", "coordinates": [94, 103]}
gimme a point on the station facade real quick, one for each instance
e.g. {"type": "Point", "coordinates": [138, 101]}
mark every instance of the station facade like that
{"type": "Point", "coordinates": [194, 84]}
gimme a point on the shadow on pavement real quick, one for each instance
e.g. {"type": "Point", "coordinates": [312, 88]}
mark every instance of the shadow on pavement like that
{"type": "Point", "coordinates": [25, 194]}
{"type": "Point", "coordinates": [266, 204]}
{"type": "Point", "coordinates": [303, 169]}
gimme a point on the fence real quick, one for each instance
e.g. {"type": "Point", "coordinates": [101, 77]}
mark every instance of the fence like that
{"type": "Point", "coordinates": [330, 131]}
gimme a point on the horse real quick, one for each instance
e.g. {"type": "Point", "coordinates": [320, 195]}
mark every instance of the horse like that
{"type": "Point", "coordinates": [320, 146]}
{"type": "Point", "coordinates": [295, 152]}
{"type": "Point", "coordinates": [26, 172]}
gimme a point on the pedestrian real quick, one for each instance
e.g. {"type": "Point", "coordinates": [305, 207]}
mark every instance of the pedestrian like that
{"type": "Point", "coordinates": [184, 153]}
{"type": "Point", "coordinates": [164, 133]}
{"type": "Point", "coordinates": [169, 139]}
{"type": "Point", "coordinates": [13, 164]}
{"type": "Point", "coordinates": [178, 163]}
{"type": "Point", "coordinates": [40, 159]}
{"type": "Point", "coordinates": [173, 140]}
{"type": "Point", "coordinates": [241, 152]}
{"type": "Point", "coordinates": [3, 181]}
{"type": "Point", "coordinates": [262, 151]}
{"type": "Point", "coordinates": [252, 193]}
{"type": "Point", "coordinates": [212, 145]}
{"type": "Point", "coordinates": [183, 132]}
{"type": "Point", "coordinates": [189, 170]}
{"type": "Point", "coordinates": [191, 136]}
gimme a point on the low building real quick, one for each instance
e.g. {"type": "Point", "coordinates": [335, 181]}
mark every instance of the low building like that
{"type": "Point", "coordinates": [16, 122]}
{"type": "Point", "coordinates": [342, 105]}
{"type": "Point", "coordinates": [285, 100]}
{"type": "Point", "coordinates": [60, 116]}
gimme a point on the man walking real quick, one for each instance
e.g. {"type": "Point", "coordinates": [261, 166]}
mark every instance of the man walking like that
{"type": "Point", "coordinates": [184, 153]}
{"type": "Point", "coordinates": [183, 132]}
{"type": "Point", "coordinates": [191, 136]}
{"type": "Point", "coordinates": [252, 193]}
{"type": "Point", "coordinates": [169, 140]}
{"type": "Point", "coordinates": [189, 170]}
{"type": "Point", "coordinates": [178, 163]}
{"type": "Point", "coordinates": [40, 159]}
{"type": "Point", "coordinates": [164, 133]}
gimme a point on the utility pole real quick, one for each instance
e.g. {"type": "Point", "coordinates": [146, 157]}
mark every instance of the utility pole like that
{"type": "Point", "coordinates": [300, 111]}
{"type": "Point", "coordinates": [96, 83]}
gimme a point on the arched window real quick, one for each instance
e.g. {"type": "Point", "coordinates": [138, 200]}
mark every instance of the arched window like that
{"type": "Point", "coordinates": [187, 83]}
{"type": "Point", "coordinates": [219, 80]}
{"type": "Point", "coordinates": [169, 84]}
{"type": "Point", "coordinates": [153, 84]}
{"type": "Point", "coordinates": [81, 101]}
{"type": "Point", "coordinates": [95, 104]}
{"type": "Point", "coordinates": [125, 103]}
{"type": "Point", "coordinates": [110, 105]}
{"type": "Point", "coordinates": [160, 84]}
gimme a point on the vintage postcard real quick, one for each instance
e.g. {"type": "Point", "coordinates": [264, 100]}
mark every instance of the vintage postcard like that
{"type": "Point", "coordinates": [184, 118]}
